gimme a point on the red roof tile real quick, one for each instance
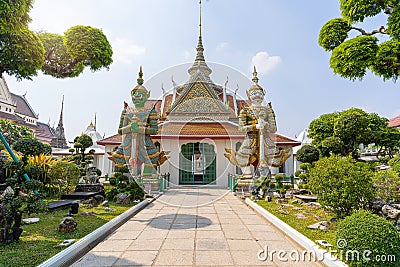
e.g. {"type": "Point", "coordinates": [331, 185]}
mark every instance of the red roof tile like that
{"type": "Point", "coordinates": [395, 122]}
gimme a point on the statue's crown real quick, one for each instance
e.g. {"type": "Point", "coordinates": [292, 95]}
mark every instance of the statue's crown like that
{"type": "Point", "coordinates": [139, 86]}
{"type": "Point", "coordinates": [255, 86]}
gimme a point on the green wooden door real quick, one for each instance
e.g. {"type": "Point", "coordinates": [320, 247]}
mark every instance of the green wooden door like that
{"type": "Point", "coordinates": [209, 163]}
{"type": "Point", "coordinates": [185, 164]}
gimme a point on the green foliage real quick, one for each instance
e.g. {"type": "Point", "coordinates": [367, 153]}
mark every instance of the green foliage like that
{"type": "Point", "coordinates": [387, 183]}
{"type": "Point", "coordinates": [30, 147]}
{"type": "Point", "coordinates": [305, 166]}
{"type": "Point", "coordinates": [358, 10]}
{"type": "Point", "coordinates": [395, 164]}
{"type": "Point", "coordinates": [331, 145]}
{"type": "Point", "coordinates": [89, 46]}
{"type": "Point", "coordinates": [333, 33]}
{"type": "Point", "coordinates": [387, 64]}
{"type": "Point", "coordinates": [63, 175]}
{"type": "Point", "coordinates": [12, 132]}
{"type": "Point", "coordinates": [279, 177]}
{"type": "Point", "coordinates": [394, 23]}
{"type": "Point", "coordinates": [23, 52]}
{"type": "Point", "coordinates": [343, 132]}
{"type": "Point", "coordinates": [307, 153]}
{"type": "Point", "coordinates": [352, 58]}
{"type": "Point", "coordinates": [362, 232]}
{"type": "Point", "coordinates": [297, 173]}
{"type": "Point", "coordinates": [59, 63]}
{"type": "Point", "coordinates": [341, 185]}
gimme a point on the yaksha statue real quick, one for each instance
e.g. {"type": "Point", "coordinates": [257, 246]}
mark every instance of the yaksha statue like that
{"type": "Point", "coordinates": [136, 126]}
{"type": "Point", "coordinates": [258, 122]}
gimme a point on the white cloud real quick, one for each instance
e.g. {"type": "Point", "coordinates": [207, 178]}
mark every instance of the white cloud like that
{"type": "Point", "coordinates": [264, 62]}
{"type": "Point", "coordinates": [222, 46]}
{"type": "Point", "coordinates": [187, 55]}
{"type": "Point", "coordinates": [125, 51]}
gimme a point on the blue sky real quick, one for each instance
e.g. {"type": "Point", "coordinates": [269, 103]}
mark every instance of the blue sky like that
{"type": "Point", "coordinates": [280, 37]}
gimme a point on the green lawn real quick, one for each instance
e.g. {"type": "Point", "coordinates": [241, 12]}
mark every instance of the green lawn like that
{"type": "Point", "coordinates": [301, 224]}
{"type": "Point", "coordinates": [39, 241]}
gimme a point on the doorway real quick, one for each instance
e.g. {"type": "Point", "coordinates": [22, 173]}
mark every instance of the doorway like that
{"type": "Point", "coordinates": [197, 164]}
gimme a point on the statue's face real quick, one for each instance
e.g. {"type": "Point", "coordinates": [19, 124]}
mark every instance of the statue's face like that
{"type": "Point", "coordinates": [139, 97]}
{"type": "Point", "coordinates": [256, 97]}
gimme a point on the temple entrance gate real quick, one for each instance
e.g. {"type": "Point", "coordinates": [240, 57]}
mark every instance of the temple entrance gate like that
{"type": "Point", "coordinates": [197, 164]}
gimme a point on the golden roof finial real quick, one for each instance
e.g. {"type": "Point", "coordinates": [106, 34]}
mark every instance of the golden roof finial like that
{"type": "Point", "coordinates": [200, 19]}
{"type": "Point", "coordinates": [140, 79]}
{"type": "Point", "coordinates": [255, 78]}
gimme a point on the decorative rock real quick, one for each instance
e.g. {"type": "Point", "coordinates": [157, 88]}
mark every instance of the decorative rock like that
{"type": "Point", "coordinates": [281, 200]}
{"type": "Point", "coordinates": [300, 216]}
{"type": "Point", "coordinates": [268, 198]}
{"type": "Point", "coordinates": [275, 194]}
{"type": "Point", "coordinates": [288, 205]}
{"type": "Point", "coordinates": [7, 191]}
{"type": "Point", "coordinates": [99, 199]}
{"type": "Point", "coordinates": [105, 203]}
{"type": "Point", "coordinates": [313, 205]}
{"type": "Point", "coordinates": [390, 212]}
{"type": "Point", "coordinates": [30, 220]}
{"type": "Point", "coordinates": [317, 218]}
{"type": "Point", "coordinates": [67, 242]}
{"type": "Point", "coordinates": [109, 209]}
{"type": "Point", "coordinates": [67, 225]}
{"type": "Point", "coordinates": [283, 211]}
{"type": "Point", "coordinates": [90, 213]}
{"type": "Point", "coordinates": [323, 225]}
{"type": "Point", "coordinates": [123, 199]}
{"type": "Point", "coordinates": [377, 204]}
{"type": "Point", "coordinates": [324, 243]}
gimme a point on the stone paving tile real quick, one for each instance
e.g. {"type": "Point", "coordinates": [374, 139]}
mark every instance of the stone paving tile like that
{"type": "Point", "coordinates": [175, 258]}
{"type": "Point", "coordinates": [248, 245]}
{"type": "Point", "coordinates": [130, 235]}
{"type": "Point", "coordinates": [150, 244]}
{"type": "Point", "coordinates": [97, 259]}
{"type": "Point", "coordinates": [178, 234]}
{"type": "Point", "coordinates": [212, 244]}
{"type": "Point", "coordinates": [249, 258]}
{"type": "Point", "coordinates": [213, 258]}
{"type": "Point", "coordinates": [209, 234]}
{"type": "Point", "coordinates": [113, 245]}
{"type": "Point", "coordinates": [179, 244]}
{"type": "Point", "coordinates": [136, 258]}
{"type": "Point", "coordinates": [221, 233]}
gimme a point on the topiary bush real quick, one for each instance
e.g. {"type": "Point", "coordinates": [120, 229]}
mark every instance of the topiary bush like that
{"type": "Point", "coordinates": [342, 185]}
{"type": "Point", "coordinates": [307, 154]}
{"type": "Point", "coordinates": [387, 183]}
{"type": "Point", "coordinates": [365, 239]}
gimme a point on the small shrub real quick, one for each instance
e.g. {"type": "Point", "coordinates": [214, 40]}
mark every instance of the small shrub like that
{"type": "Point", "coordinates": [111, 194]}
{"type": "Point", "coordinates": [387, 185]}
{"type": "Point", "coordinates": [363, 232]}
{"type": "Point", "coordinates": [279, 177]}
{"type": "Point", "coordinates": [113, 181]}
{"type": "Point", "coordinates": [341, 185]}
{"type": "Point", "coordinates": [297, 173]}
{"type": "Point", "coordinates": [307, 154]}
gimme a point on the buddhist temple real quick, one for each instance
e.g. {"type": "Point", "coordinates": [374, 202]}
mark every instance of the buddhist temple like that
{"type": "Point", "coordinates": [197, 121]}
{"type": "Point", "coordinates": [16, 108]}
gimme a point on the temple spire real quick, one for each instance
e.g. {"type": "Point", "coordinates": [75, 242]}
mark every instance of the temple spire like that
{"type": "Point", "coordinates": [59, 140]}
{"type": "Point", "coordinates": [255, 78]}
{"type": "Point", "coordinates": [200, 20]}
{"type": "Point", "coordinates": [60, 122]}
{"type": "Point", "coordinates": [199, 62]}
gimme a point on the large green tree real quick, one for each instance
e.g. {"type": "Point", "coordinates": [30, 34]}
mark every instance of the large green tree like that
{"type": "Point", "coordinates": [23, 52]}
{"type": "Point", "coordinates": [352, 55]}
{"type": "Point", "coordinates": [343, 132]}
{"type": "Point", "coordinates": [13, 132]}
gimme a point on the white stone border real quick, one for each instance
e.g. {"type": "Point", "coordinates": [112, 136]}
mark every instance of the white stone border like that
{"type": "Point", "coordinates": [328, 258]}
{"type": "Point", "coordinates": [76, 250]}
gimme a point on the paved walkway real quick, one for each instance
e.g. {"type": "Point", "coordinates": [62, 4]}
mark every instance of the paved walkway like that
{"type": "Point", "coordinates": [193, 227]}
